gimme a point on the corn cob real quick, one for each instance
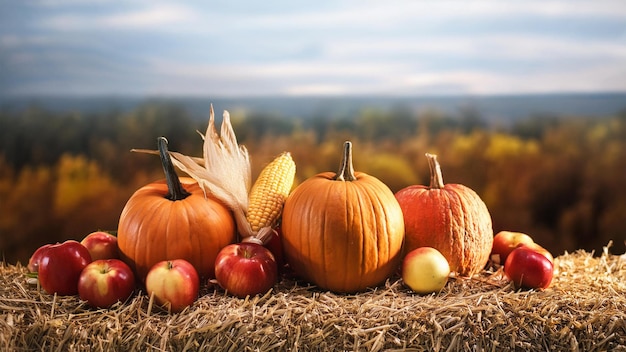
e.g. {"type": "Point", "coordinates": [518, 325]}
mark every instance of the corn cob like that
{"type": "Point", "coordinates": [269, 192]}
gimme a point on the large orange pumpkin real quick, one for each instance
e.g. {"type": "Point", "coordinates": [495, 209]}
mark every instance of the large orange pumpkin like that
{"type": "Point", "coordinates": [173, 219]}
{"type": "Point", "coordinates": [451, 218]}
{"type": "Point", "coordinates": [343, 232]}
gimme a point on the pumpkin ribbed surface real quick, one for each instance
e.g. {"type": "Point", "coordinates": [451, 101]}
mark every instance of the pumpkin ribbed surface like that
{"type": "Point", "coordinates": [451, 218]}
{"type": "Point", "coordinates": [343, 236]}
{"type": "Point", "coordinates": [153, 228]}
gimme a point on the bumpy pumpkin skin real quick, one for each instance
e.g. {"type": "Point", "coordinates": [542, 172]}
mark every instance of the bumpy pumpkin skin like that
{"type": "Point", "coordinates": [343, 236]}
{"type": "Point", "coordinates": [452, 219]}
{"type": "Point", "coordinates": [153, 228]}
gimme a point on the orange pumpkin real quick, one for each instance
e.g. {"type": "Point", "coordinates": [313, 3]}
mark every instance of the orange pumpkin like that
{"type": "Point", "coordinates": [172, 219]}
{"type": "Point", "coordinates": [451, 218]}
{"type": "Point", "coordinates": [343, 232]}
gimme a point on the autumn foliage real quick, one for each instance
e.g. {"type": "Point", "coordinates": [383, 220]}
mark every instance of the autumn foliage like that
{"type": "Point", "coordinates": [561, 179]}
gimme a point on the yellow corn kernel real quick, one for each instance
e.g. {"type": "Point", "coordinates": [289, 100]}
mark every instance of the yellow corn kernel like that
{"type": "Point", "coordinates": [269, 192]}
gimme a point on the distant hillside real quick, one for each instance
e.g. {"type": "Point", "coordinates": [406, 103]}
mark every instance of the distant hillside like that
{"type": "Point", "coordinates": [491, 108]}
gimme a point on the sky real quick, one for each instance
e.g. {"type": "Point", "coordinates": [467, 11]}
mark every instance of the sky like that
{"type": "Point", "coordinates": [324, 47]}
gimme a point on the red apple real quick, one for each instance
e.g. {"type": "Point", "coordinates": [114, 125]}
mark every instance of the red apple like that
{"type": "Point", "coordinates": [33, 262]}
{"type": "Point", "coordinates": [244, 269]}
{"type": "Point", "coordinates": [537, 248]}
{"type": "Point", "coordinates": [106, 281]}
{"type": "Point", "coordinates": [528, 268]}
{"type": "Point", "coordinates": [504, 242]}
{"type": "Point", "coordinates": [425, 270]}
{"type": "Point", "coordinates": [270, 238]}
{"type": "Point", "coordinates": [60, 267]}
{"type": "Point", "coordinates": [174, 283]}
{"type": "Point", "coordinates": [101, 245]}
{"type": "Point", "coordinates": [275, 245]}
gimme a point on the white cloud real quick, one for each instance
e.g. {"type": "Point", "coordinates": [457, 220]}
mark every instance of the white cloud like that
{"type": "Point", "coordinates": [390, 13]}
{"type": "Point", "coordinates": [322, 78]}
{"type": "Point", "coordinates": [58, 3]}
{"type": "Point", "coordinates": [517, 47]}
{"type": "Point", "coordinates": [343, 47]}
{"type": "Point", "coordinates": [536, 47]}
{"type": "Point", "coordinates": [319, 89]}
{"type": "Point", "coordinates": [380, 77]}
{"type": "Point", "coordinates": [287, 71]}
{"type": "Point", "coordinates": [152, 17]}
{"type": "Point", "coordinates": [603, 77]}
{"type": "Point", "coordinates": [149, 17]}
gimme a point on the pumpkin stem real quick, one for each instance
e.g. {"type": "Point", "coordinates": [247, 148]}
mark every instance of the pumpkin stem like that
{"type": "Point", "coordinates": [346, 169]}
{"type": "Point", "coordinates": [436, 178]}
{"type": "Point", "coordinates": [175, 190]}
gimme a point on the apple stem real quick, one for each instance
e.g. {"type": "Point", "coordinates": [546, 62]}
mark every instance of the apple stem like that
{"type": "Point", "coordinates": [436, 177]}
{"type": "Point", "coordinates": [175, 190]}
{"type": "Point", "coordinates": [346, 169]}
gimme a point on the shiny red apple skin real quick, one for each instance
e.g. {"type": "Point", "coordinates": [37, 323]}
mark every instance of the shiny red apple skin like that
{"type": "Point", "coordinates": [275, 245]}
{"type": "Point", "coordinates": [33, 262]}
{"type": "Point", "coordinates": [175, 284]}
{"type": "Point", "coordinates": [537, 248]}
{"type": "Point", "coordinates": [246, 269]}
{"type": "Point", "coordinates": [101, 245]}
{"type": "Point", "coordinates": [504, 242]}
{"type": "Point", "coordinates": [528, 269]}
{"type": "Point", "coordinates": [105, 282]}
{"type": "Point", "coordinates": [60, 267]}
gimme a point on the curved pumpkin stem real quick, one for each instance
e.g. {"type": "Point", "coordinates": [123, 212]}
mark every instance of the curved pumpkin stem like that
{"type": "Point", "coordinates": [175, 190]}
{"type": "Point", "coordinates": [346, 169]}
{"type": "Point", "coordinates": [436, 178]}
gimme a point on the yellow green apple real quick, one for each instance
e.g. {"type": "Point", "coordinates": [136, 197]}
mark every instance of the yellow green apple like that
{"type": "Point", "coordinates": [425, 270]}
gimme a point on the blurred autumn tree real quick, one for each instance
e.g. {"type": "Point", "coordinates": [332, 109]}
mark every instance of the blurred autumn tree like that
{"type": "Point", "coordinates": [559, 179]}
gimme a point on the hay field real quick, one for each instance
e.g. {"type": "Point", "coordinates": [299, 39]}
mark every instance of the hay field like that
{"type": "Point", "coordinates": [583, 310]}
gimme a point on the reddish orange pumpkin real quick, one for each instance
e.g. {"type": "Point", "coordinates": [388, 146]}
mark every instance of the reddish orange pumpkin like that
{"type": "Point", "coordinates": [451, 218]}
{"type": "Point", "coordinates": [343, 232]}
{"type": "Point", "coordinates": [172, 219]}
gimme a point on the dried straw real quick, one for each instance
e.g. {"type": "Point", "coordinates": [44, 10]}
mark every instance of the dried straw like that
{"type": "Point", "coordinates": [583, 310]}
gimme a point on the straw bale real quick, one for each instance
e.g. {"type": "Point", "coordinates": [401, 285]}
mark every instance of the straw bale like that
{"type": "Point", "coordinates": [583, 310]}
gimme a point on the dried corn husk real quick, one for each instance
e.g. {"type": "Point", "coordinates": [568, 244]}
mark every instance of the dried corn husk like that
{"type": "Point", "coordinates": [224, 171]}
{"type": "Point", "coordinates": [225, 168]}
